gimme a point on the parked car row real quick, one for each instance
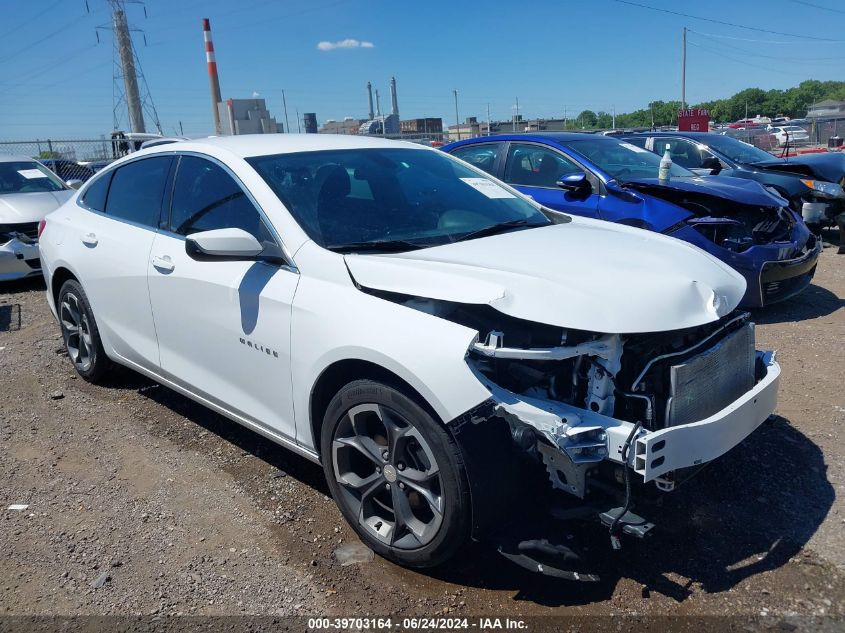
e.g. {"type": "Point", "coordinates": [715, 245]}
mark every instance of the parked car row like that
{"type": "Point", "coordinates": [427, 332]}
{"type": "Point", "coordinates": [750, 228]}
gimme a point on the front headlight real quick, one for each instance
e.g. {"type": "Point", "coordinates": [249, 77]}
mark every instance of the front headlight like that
{"type": "Point", "coordinates": [826, 189]}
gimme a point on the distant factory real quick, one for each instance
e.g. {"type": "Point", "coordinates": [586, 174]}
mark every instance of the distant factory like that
{"type": "Point", "coordinates": [247, 116]}
{"type": "Point", "coordinates": [382, 124]}
{"type": "Point", "coordinates": [235, 116]}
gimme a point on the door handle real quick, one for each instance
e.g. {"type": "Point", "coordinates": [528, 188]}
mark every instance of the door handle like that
{"type": "Point", "coordinates": [90, 239]}
{"type": "Point", "coordinates": [163, 263]}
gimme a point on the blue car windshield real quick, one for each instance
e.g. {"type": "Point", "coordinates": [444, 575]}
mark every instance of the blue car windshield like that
{"type": "Point", "coordinates": [738, 151]}
{"type": "Point", "coordinates": [397, 198]}
{"type": "Point", "coordinates": [622, 161]}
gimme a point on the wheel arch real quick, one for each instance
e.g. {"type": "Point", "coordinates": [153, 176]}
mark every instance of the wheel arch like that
{"type": "Point", "coordinates": [57, 280]}
{"type": "Point", "coordinates": [341, 373]}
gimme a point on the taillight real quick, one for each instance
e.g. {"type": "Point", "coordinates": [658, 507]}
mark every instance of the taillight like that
{"type": "Point", "coordinates": [41, 226]}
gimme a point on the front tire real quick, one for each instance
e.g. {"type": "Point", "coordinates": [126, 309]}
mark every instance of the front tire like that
{"type": "Point", "coordinates": [80, 334]}
{"type": "Point", "coordinates": [396, 474]}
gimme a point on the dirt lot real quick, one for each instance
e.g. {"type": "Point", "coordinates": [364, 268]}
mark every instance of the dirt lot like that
{"type": "Point", "coordinates": [141, 502]}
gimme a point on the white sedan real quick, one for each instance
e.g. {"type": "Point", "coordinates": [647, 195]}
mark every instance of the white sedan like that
{"type": "Point", "coordinates": [418, 327]}
{"type": "Point", "coordinates": [793, 134]}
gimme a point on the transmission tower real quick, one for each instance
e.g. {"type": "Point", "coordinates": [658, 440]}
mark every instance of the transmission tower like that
{"type": "Point", "coordinates": [129, 86]}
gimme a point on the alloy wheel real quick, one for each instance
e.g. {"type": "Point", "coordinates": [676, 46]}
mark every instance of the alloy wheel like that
{"type": "Point", "coordinates": [388, 476]}
{"type": "Point", "coordinates": [77, 332]}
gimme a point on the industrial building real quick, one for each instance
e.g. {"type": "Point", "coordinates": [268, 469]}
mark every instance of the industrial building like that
{"type": "Point", "coordinates": [378, 123]}
{"type": "Point", "coordinates": [349, 125]}
{"type": "Point", "coordinates": [429, 125]}
{"type": "Point", "coordinates": [247, 116]}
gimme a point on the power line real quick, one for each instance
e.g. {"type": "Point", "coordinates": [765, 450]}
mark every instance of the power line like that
{"type": "Point", "coordinates": [818, 6]}
{"type": "Point", "coordinates": [741, 61]}
{"type": "Point", "coordinates": [790, 59]}
{"type": "Point", "coordinates": [32, 19]}
{"type": "Point", "coordinates": [43, 39]}
{"type": "Point", "coordinates": [723, 23]}
{"type": "Point", "coordinates": [749, 39]}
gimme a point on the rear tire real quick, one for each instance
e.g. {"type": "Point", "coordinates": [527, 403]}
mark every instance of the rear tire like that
{"type": "Point", "coordinates": [80, 333]}
{"type": "Point", "coordinates": [396, 474]}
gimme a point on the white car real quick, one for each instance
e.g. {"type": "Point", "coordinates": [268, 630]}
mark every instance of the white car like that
{"type": "Point", "coordinates": [411, 323]}
{"type": "Point", "coordinates": [28, 192]}
{"type": "Point", "coordinates": [792, 133]}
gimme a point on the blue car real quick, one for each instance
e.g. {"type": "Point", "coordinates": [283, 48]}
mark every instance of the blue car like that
{"type": "Point", "coordinates": [738, 221]}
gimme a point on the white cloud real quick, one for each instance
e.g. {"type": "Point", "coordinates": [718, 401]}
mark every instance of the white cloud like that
{"type": "Point", "coordinates": [347, 43]}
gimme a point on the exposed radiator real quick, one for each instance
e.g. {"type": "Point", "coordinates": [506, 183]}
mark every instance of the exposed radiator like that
{"type": "Point", "coordinates": [711, 380]}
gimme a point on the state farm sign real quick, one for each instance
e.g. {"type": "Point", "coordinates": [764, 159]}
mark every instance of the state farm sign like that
{"type": "Point", "coordinates": [694, 120]}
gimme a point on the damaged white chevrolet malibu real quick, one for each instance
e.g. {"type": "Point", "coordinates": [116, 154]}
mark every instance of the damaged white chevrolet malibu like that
{"type": "Point", "coordinates": [416, 326]}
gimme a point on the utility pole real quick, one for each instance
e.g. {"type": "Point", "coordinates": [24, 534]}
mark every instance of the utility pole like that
{"type": "Point", "coordinates": [564, 118]}
{"type": "Point", "coordinates": [684, 71]}
{"type": "Point", "coordinates": [515, 115]}
{"type": "Point", "coordinates": [457, 118]}
{"type": "Point", "coordinates": [127, 62]}
{"type": "Point", "coordinates": [298, 127]}
{"type": "Point", "coordinates": [488, 119]}
{"type": "Point", "coordinates": [614, 117]}
{"type": "Point", "coordinates": [285, 104]}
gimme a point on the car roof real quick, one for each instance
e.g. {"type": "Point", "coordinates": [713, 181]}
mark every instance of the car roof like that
{"type": "Point", "coordinates": [559, 137]}
{"type": "Point", "coordinates": [701, 135]}
{"type": "Point", "coordinates": [247, 145]}
{"type": "Point", "coordinates": [16, 158]}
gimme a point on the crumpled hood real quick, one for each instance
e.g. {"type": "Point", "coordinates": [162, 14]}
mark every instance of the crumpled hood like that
{"type": "Point", "coordinates": [734, 189]}
{"type": "Point", "coordinates": [829, 166]}
{"type": "Point", "coordinates": [586, 274]}
{"type": "Point", "coordinates": [17, 208]}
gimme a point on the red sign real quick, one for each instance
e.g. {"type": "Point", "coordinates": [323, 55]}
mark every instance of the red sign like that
{"type": "Point", "coordinates": [694, 120]}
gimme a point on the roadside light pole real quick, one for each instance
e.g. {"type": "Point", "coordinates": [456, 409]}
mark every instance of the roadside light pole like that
{"type": "Point", "coordinates": [457, 118]}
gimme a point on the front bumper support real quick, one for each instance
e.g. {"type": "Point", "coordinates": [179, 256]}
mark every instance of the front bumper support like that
{"type": "Point", "coordinates": [655, 452]}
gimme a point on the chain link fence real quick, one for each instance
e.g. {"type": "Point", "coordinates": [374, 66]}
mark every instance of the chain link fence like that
{"type": "Point", "coordinates": [79, 159]}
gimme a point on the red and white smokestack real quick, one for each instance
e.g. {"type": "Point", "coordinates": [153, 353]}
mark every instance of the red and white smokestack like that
{"type": "Point", "coordinates": [213, 81]}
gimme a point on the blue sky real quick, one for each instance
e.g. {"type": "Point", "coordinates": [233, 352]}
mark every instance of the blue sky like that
{"type": "Point", "coordinates": [556, 57]}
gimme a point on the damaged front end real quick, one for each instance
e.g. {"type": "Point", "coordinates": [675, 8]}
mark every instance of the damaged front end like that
{"type": "Point", "coordinates": [19, 251]}
{"type": "Point", "coordinates": [769, 244]}
{"type": "Point", "coordinates": [595, 409]}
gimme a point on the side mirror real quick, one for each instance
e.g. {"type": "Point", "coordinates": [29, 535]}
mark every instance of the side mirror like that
{"type": "Point", "coordinates": [574, 182]}
{"type": "Point", "coordinates": [224, 244]}
{"type": "Point", "coordinates": [713, 164]}
{"type": "Point", "coordinates": [74, 183]}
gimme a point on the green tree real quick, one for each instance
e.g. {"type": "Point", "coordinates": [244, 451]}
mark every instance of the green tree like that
{"type": "Point", "coordinates": [588, 118]}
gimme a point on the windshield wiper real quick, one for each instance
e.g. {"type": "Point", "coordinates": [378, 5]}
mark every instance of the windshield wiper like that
{"type": "Point", "coordinates": [500, 227]}
{"type": "Point", "coordinates": [387, 246]}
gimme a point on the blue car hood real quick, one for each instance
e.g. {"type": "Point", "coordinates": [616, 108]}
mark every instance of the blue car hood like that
{"type": "Point", "coordinates": [735, 189]}
{"type": "Point", "coordinates": [828, 166]}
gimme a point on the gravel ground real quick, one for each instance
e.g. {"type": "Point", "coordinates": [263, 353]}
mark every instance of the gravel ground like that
{"type": "Point", "coordinates": [142, 502]}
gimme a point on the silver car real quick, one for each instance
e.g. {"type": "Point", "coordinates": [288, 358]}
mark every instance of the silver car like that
{"type": "Point", "coordinates": [28, 192]}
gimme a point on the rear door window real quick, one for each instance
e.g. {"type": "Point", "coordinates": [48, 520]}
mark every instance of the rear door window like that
{"type": "Point", "coordinates": [536, 166]}
{"type": "Point", "coordinates": [94, 196]}
{"type": "Point", "coordinates": [481, 155]}
{"type": "Point", "coordinates": [137, 189]}
{"type": "Point", "coordinates": [683, 152]}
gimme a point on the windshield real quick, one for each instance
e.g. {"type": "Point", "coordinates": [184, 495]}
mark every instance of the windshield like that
{"type": "Point", "coordinates": [737, 150]}
{"type": "Point", "coordinates": [411, 198]}
{"type": "Point", "coordinates": [27, 177]}
{"type": "Point", "coordinates": [623, 161]}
